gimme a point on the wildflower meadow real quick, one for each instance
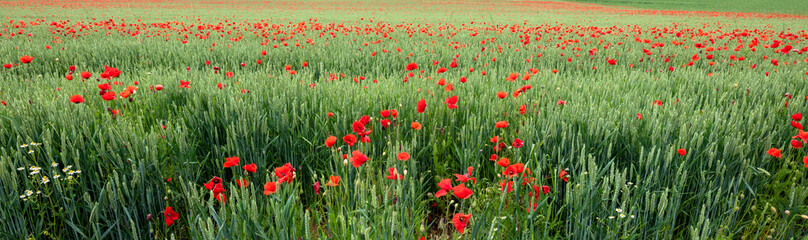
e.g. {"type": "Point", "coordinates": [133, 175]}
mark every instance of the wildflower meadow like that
{"type": "Point", "coordinates": [392, 119]}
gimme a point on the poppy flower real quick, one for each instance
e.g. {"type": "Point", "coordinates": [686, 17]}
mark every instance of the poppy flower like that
{"type": "Point", "coordinates": [504, 162]}
{"type": "Point", "coordinates": [243, 183]}
{"type": "Point", "coordinates": [502, 95]}
{"type": "Point", "coordinates": [185, 84]}
{"type": "Point", "coordinates": [561, 102]}
{"type": "Point", "coordinates": [802, 135]}
{"type": "Point", "coordinates": [442, 70]}
{"type": "Point", "coordinates": [460, 221]}
{"type": "Point", "coordinates": [797, 116]}
{"type": "Point", "coordinates": [796, 144]}
{"type": "Point", "coordinates": [7, 65]}
{"type": "Point", "coordinates": [330, 114]}
{"type": "Point", "coordinates": [26, 59]}
{"type": "Point", "coordinates": [774, 152]}
{"type": "Point", "coordinates": [349, 139]}
{"type": "Point", "coordinates": [403, 156]}
{"type": "Point", "coordinates": [69, 77]}
{"type": "Point", "coordinates": [218, 192]}
{"type": "Point", "coordinates": [639, 116]}
{"type": "Point", "coordinates": [270, 188]}
{"type": "Point", "coordinates": [110, 73]}
{"type": "Point", "coordinates": [393, 174]}
{"type": "Point", "coordinates": [415, 126]}
{"type": "Point", "coordinates": [333, 181]}
{"type": "Point", "coordinates": [220, 85]}
{"type": "Point", "coordinates": [805, 161]}
{"type": "Point", "coordinates": [493, 157]}
{"type": "Point", "coordinates": [76, 99]}
{"type": "Point", "coordinates": [105, 86]}
{"type": "Point", "coordinates": [358, 158]}
{"type": "Point", "coordinates": [385, 113]}
{"type": "Point", "coordinates": [612, 61]}
{"type": "Point", "coordinates": [358, 127]}
{"type": "Point", "coordinates": [517, 143]}
{"type": "Point", "coordinates": [445, 185]}
{"type": "Point", "coordinates": [231, 161]}
{"type": "Point", "coordinates": [285, 173]}
{"type": "Point", "coordinates": [385, 123]}
{"type": "Point", "coordinates": [421, 106]}
{"type": "Point", "coordinates": [108, 96]}
{"type": "Point", "coordinates": [412, 66]}
{"type": "Point", "coordinates": [250, 167]}
{"type": "Point", "coordinates": [451, 102]}
{"type": "Point", "coordinates": [563, 175]}
{"type": "Point", "coordinates": [514, 170]}
{"type": "Point", "coordinates": [213, 182]}
{"type": "Point", "coordinates": [466, 177]}
{"type": "Point", "coordinates": [504, 184]}
{"type": "Point", "coordinates": [461, 191]}
{"type": "Point", "coordinates": [329, 142]}
{"type": "Point", "coordinates": [86, 75]}
{"type": "Point", "coordinates": [501, 124]}
{"type": "Point", "coordinates": [796, 125]}
{"type": "Point", "coordinates": [170, 216]}
{"type": "Point", "coordinates": [681, 152]}
{"type": "Point", "coordinates": [657, 103]}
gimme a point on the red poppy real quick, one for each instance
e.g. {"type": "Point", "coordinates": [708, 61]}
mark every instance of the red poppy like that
{"type": "Point", "coordinates": [285, 173]}
{"type": "Point", "coordinates": [220, 85]}
{"type": "Point", "coordinates": [561, 102]}
{"type": "Point", "coordinates": [563, 175]}
{"type": "Point", "coordinates": [403, 156]}
{"type": "Point", "coordinates": [105, 86]}
{"type": "Point", "coordinates": [415, 126]}
{"type": "Point", "coordinates": [108, 96]}
{"type": "Point", "coordinates": [805, 161]}
{"type": "Point", "coordinates": [501, 124]}
{"type": "Point", "coordinates": [502, 95]}
{"type": "Point", "coordinates": [270, 188]}
{"type": "Point", "coordinates": [513, 170]}
{"type": "Point", "coordinates": [451, 102]}
{"type": "Point", "coordinates": [333, 181]}
{"type": "Point", "coordinates": [612, 61]}
{"type": "Point", "coordinates": [250, 167]}
{"type": "Point", "coordinates": [385, 113]}
{"type": "Point", "coordinates": [796, 144]}
{"type": "Point", "coordinates": [330, 141]}
{"type": "Point", "coordinates": [358, 127]}
{"type": "Point", "coordinates": [231, 161]}
{"type": "Point", "coordinates": [421, 106]}
{"type": "Point", "coordinates": [26, 59]}
{"type": "Point", "coordinates": [86, 75]}
{"type": "Point", "coordinates": [639, 116]}
{"type": "Point", "coordinates": [797, 116]}
{"type": "Point", "coordinates": [69, 77]}
{"type": "Point", "coordinates": [358, 158]}
{"type": "Point", "coordinates": [517, 143]}
{"type": "Point", "coordinates": [796, 125]}
{"type": "Point", "coordinates": [349, 139]}
{"type": "Point", "coordinates": [213, 181]}
{"type": "Point", "coordinates": [461, 191]}
{"type": "Point", "coordinates": [504, 162]}
{"type": "Point", "coordinates": [445, 185]}
{"type": "Point", "coordinates": [412, 66]}
{"type": "Point", "coordinates": [442, 70]}
{"type": "Point", "coordinates": [466, 177]}
{"type": "Point", "coordinates": [7, 65]}
{"type": "Point", "coordinates": [774, 152]}
{"type": "Point", "coordinates": [76, 99]}
{"type": "Point", "coordinates": [393, 174]}
{"type": "Point", "coordinates": [170, 216]}
{"type": "Point", "coordinates": [460, 221]}
{"type": "Point", "coordinates": [682, 152]}
{"type": "Point", "coordinates": [185, 84]}
{"type": "Point", "coordinates": [243, 183]}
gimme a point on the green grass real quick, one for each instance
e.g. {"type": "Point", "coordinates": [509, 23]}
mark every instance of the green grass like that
{"type": "Point", "coordinates": [167, 144]}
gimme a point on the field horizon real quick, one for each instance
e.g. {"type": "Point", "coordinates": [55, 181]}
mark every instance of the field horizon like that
{"type": "Point", "coordinates": [149, 119]}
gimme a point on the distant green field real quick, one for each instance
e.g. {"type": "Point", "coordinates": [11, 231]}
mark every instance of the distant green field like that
{"type": "Point", "coordinates": [799, 7]}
